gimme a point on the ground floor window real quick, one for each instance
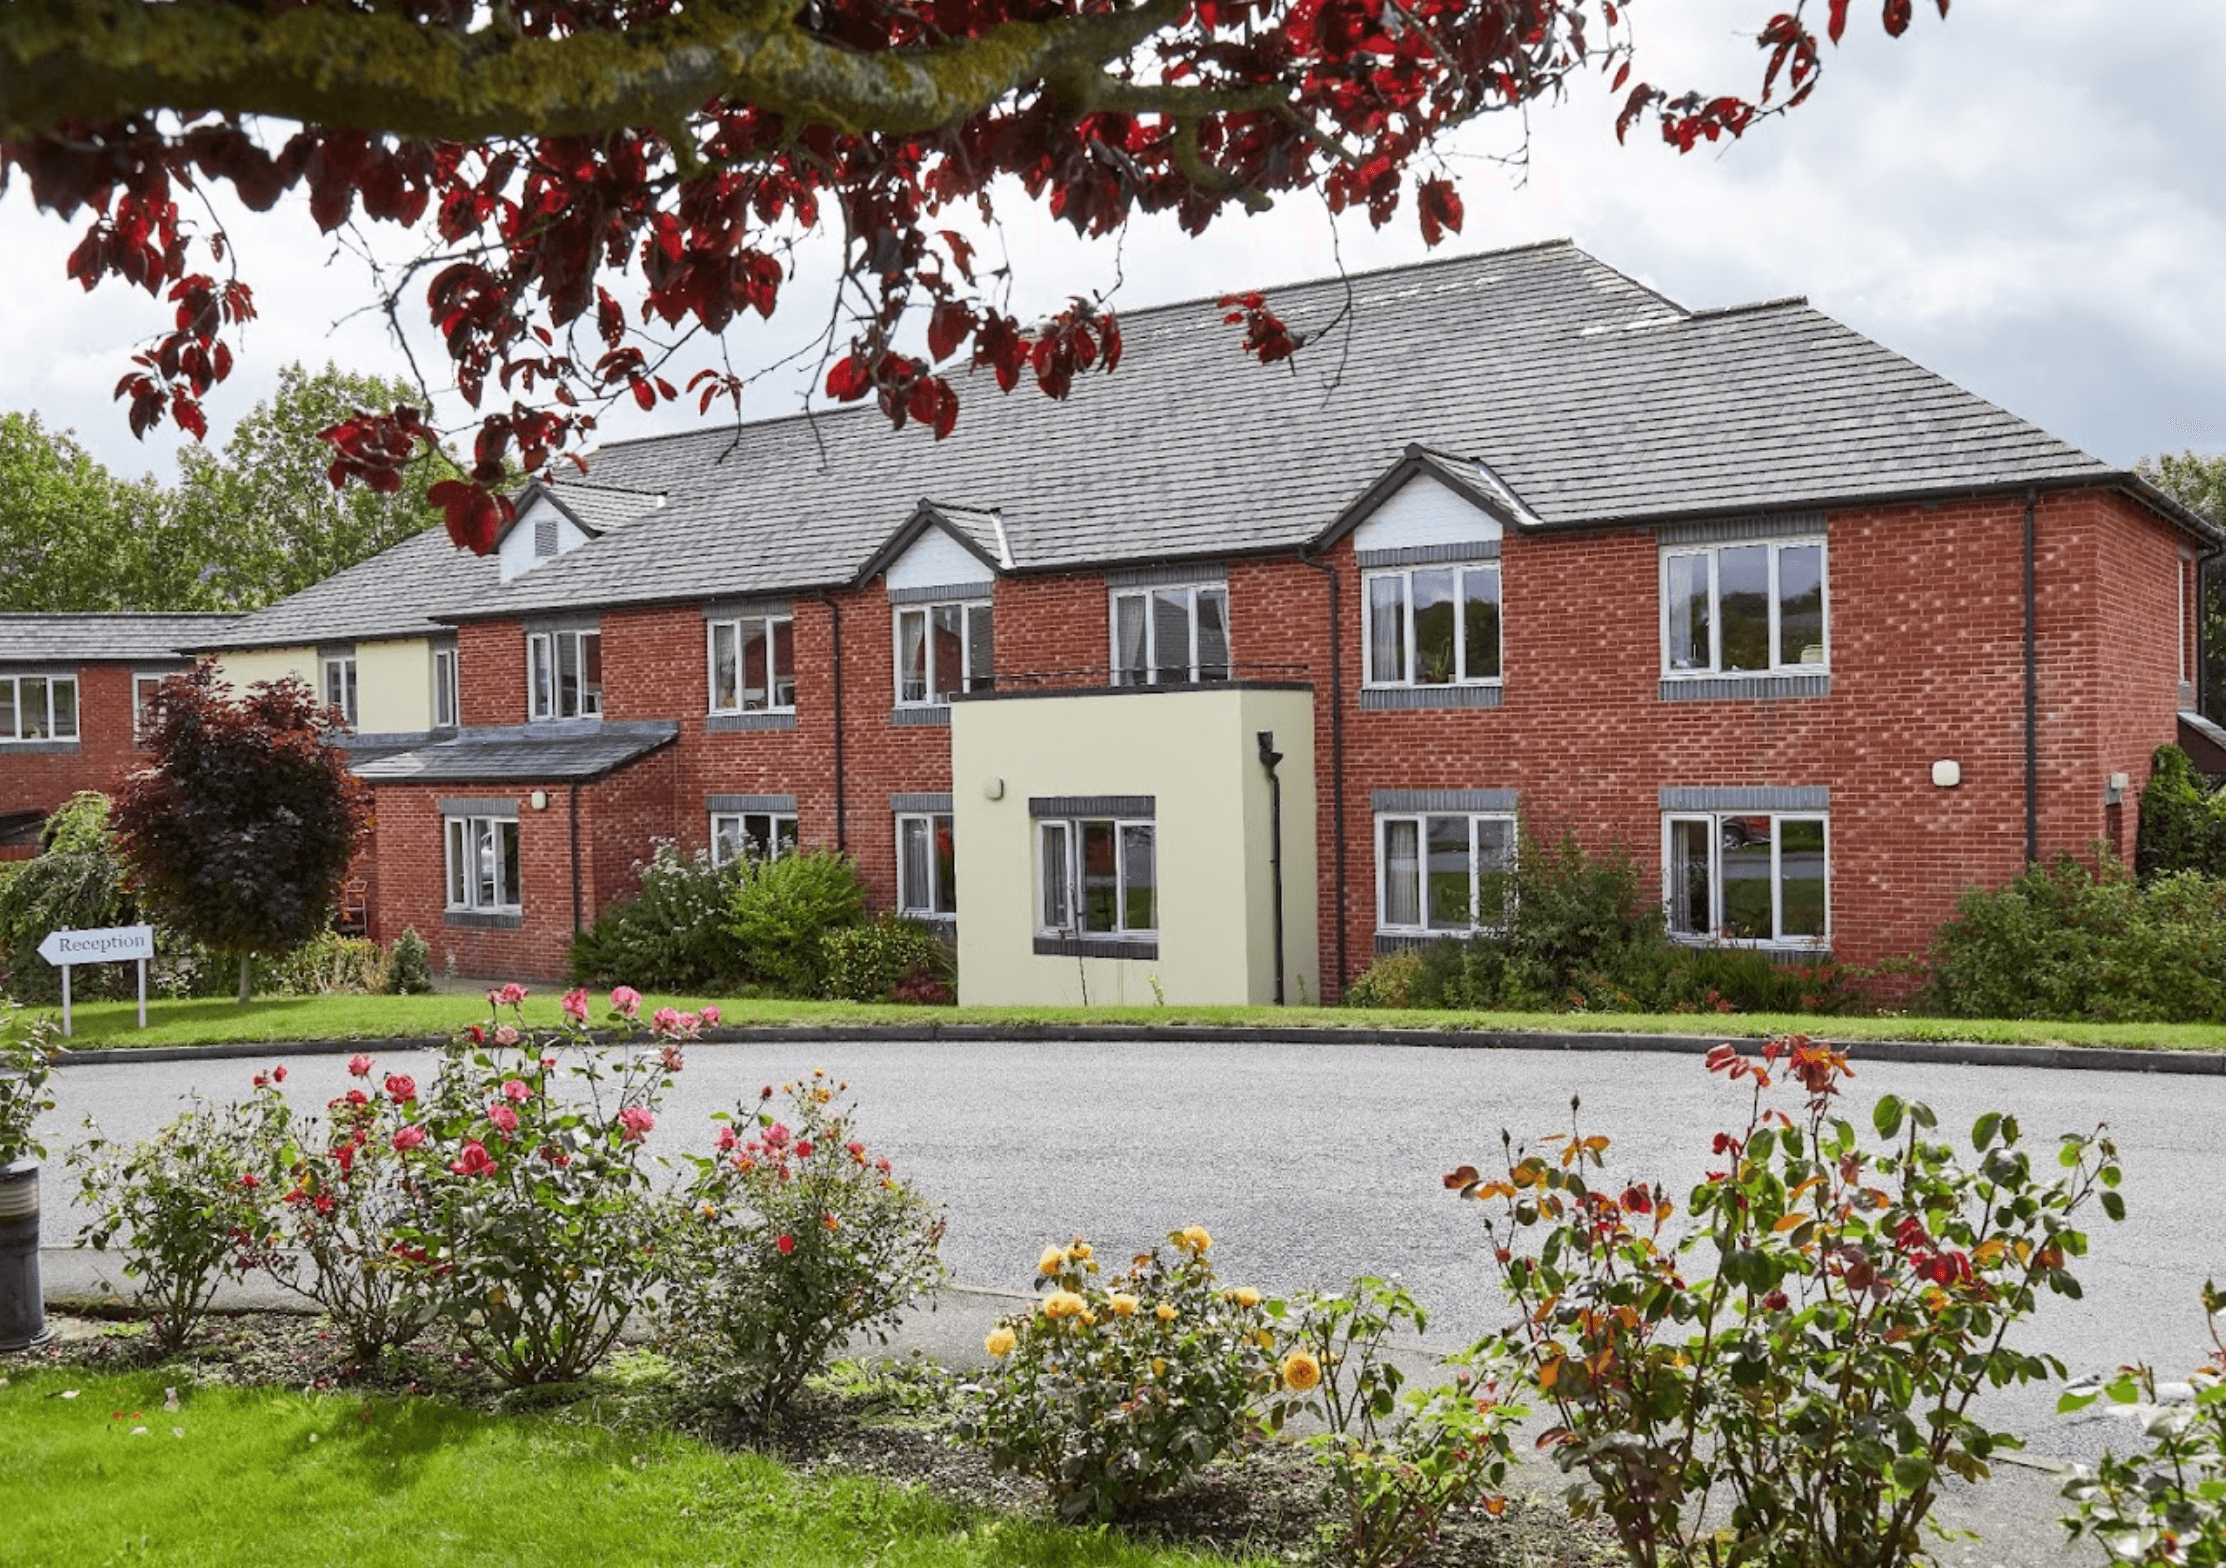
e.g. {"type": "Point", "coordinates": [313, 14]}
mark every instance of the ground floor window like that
{"type": "Point", "coordinates": [760, 835]}
{"type": "Point", "coordinates": [1097, 877]}
{"type": "Point", "coordinates": [483, 863]}
{"type": "Point", "coordinates": [1445, 874]}
{"type": "Point", "coordinates": [1739, 876]}
{"type": "Point", "coordinates": [927, 870]}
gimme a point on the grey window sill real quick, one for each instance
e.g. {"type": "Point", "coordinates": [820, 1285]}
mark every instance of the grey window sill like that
{"type": "Point", "coordinates": [18, 747]}
{"type": "Point", "coordinates": [482, 919]}
{"type": "Point", "coordinates": [721, 723]}
{"type": "Point", "coordinates": [923, 716]}
{"type": "Point", "coordinates": [1095, 947]}
{"type": "Point", "coordinates": [1396, 699]}
{"type": "Point", "coordinates": [1744, 688]}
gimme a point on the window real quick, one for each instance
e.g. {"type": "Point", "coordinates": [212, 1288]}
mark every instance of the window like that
{"type": "Point", "coordinates": [146, 706]}
{"type": "Point", "coordinates": [340, 686]}
{"type": "Point", "coordinates": [1744, 609]}
{"type": "Point", "coordinates": [565, 674]}
{"type": "Point", "coordinates": [1097, 877]}
{"type": "Point", "coordinates": [753, 664]}
{"type": "Point", "coordinates": [483, 863]}
{"type": "Point", "coordinates": [1444, 874]}
{"type": "Point", "coordinates": [942, 650]}
{"type": "Point", "coordinates": [38, 707]}
{"type": "Point", "coordinates": [759, 835]}
{"type": "Point", "coordinates": [1752, 877]}
{"type": "Point", "coordinates": [1171, 636]}
{"type": "Point", "coordinates": [927, 870]}
{"type": "Point", "coordinates": [444, 688]}
{"type": "Point", "coordinates": [1433, 626]}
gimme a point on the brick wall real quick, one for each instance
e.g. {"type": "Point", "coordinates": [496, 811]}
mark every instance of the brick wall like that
{"type": "Point", "coordinates": [41, 780]}
{"type": "Point", "coordinates": [491, 673]}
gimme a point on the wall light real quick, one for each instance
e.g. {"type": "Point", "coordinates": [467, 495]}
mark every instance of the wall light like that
{"type": "Point", "coordinates": [1947, 773]}
{"type": "Point", "coordinates": [993, 789]}
{"type": "Point", "coordinates": [540, 799]}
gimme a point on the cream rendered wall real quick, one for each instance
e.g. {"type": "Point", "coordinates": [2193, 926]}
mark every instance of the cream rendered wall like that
{"type": "Point", "coordinates": [394, 687]}
{"type": "Point", "coordinates": [1192, 749]}
{"type": "Point", "coordinates": [244, 667]}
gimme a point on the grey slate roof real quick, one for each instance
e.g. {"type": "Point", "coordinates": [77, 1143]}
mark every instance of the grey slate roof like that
{"type": "Point", "coordinates": [563, 753]}
{"type": "Point", "coordinates": [394, 594]}
{"type": "Point", "coordinates": [1592, 400]}
{"type": "Point", "coordinates": [119, 638]}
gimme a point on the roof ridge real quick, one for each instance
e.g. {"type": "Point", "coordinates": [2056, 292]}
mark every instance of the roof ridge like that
{"type": "Point", "coordinates": [1782, 302]}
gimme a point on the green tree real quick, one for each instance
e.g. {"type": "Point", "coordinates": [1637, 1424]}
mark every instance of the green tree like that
{"type": "Point", "coordinates": [2200, 482]}
{"type": "Point", "coordinates": [263, 521]}
{"type": "Point", "coordinates": [240, 832]}
{"type": "Point", "coordinates": [72, 535]}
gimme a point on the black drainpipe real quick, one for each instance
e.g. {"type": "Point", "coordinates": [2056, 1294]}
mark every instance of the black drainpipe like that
{"type": "Point", "coordinates": [1270, 756]}
{"type": "Point", "coordinates": [574, 791]}
{"type": "Point", "coordinates": [1336, 753]}
{"type": "Point", "coordinates": [842, 793]}
{"type": "Point", "coordinates": [2032, 694]}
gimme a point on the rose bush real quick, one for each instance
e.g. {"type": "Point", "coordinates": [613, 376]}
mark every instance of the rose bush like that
{"type": "Point", "coordinates": [791, 1238]}
{"type": "Point", "coordinates": [1114, 1395]}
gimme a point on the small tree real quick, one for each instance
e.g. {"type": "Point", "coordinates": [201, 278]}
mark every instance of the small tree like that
{"type": "Point", "coordinates": [241, 832]}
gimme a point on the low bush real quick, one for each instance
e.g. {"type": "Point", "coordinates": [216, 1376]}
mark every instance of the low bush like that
{"type": "Point", "coordinates": [887, 956]}
{"type": "Point", "coordinates": [790, 1240]}
{"type": "Point", "coordinates": [1112, 1395]}
{"type": "Point", "coordinates": [2183, 820]}
{"type": "Point", "coordinates": [671, 935]}
{"type": "Point", "coordinates": [781, 912]}
{"type": "Point", "coordinates": [2064, 941]}
{"type": "Point", "coordinates": [409, 969]}
{"type": "Point", "coordinates": [1786, 1377]}
{"type": "Point", "coordinates": [328, 964]}
{"type": "Point", "coordinates": [1388, 982]}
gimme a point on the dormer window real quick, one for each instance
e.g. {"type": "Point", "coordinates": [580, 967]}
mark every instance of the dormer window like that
{"type": "Point", "coordinates": [943, 650]}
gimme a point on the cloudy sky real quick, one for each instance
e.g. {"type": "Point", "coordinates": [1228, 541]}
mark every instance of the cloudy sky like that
{"type": "Point", "coordinates": [2029, 198]}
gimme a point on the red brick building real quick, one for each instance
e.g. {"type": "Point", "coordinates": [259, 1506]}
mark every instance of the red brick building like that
{"type": "Point", "coordinates": [1819, 638]}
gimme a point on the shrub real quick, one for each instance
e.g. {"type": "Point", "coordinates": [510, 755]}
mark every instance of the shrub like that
{"type": "Point", "coordinates": [1817, 1387]}
{"type": "Point", "coordinates": [2183, 820]}
{"type": "Point", "coordinates": [782, 910]}
{"type": "Point", "coordinates": [2065, 942]}
{"type": "Point", "coordinates": [790, 1240]}
{"type": "Point", "coordinates": [77, 882]}
{"type": "Point", "coordinates": [2169, 1505]}
{"type": "Point", "coordinates": [1110, 1397]}
{"type": "Point", "coordinates": [328, 964]}
{"type": "Point", "coordinates": [1394, 1468]}
{"type": "Point", "coordinates": [888, 954]}
{"type": "Point", "coordinates": [184, 1209]}
{"type": "Point", "coordinates": [670, 935]}
{"type": "Point", "coordinates": [1573, 913]}
{"type": "Point", "coordinates": [537, 1209]}
{"type": "Point", "coordinates": [26, 1067]}
{"type": "Point", "coordinates": [341, 1204]}
{"type": "Point", "coordinates": [409, 969]}
{"type": "Point", "coordinates": [1388, 982]}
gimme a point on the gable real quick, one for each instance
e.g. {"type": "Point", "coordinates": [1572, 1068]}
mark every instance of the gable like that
{"type": "Point", "coordinates": [936, 560]}
{"type": "Point", "coordinates": [1422, 512]}
{"type": "Point", "coordinates": [541, 533]}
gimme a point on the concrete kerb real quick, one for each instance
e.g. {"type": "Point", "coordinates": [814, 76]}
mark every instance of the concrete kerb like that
{"type": "Point", "coordinates": [1950, 1053]}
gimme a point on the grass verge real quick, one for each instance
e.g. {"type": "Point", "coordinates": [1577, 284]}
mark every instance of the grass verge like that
{"type": "Point", "coordinates": [291, 1019]}
{"type": "Point", "coordinates": [258, 1475]}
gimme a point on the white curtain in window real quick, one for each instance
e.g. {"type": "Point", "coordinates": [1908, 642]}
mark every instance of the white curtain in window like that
{"type": "Point", "coordinates": [914, 890]}
{"type": "Point", "coordinates": [1128, 637]}
{"type": "Point", "coordinates": [1387, 629]}
{"type": "Point", "coordinates": [912, 655]}
{"type": "Point", "coordinates": [1402, 873]}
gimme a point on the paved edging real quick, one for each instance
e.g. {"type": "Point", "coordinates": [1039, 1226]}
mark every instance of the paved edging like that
{"type": "Point", "coordinates": [1954, 1053]}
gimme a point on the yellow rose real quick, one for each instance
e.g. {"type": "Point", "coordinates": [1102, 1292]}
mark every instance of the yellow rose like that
{"type": "Point", "coordinates": [1080, 1251]}
{"type": "Point", "coordinates": [1123, 1306]}
{"type": "Point", "coordinates": [1000, 1341]}
{"type": "Point", "coordinates": [1052, 1261]}
{"type": "Point", "coordinates": [1300, 1371]}
{"type": "Point", "coordinates": [1193, 1238]}
{"type": "Point", "coordinates": [1165, 1312]}
{"type": "Point", "coordinates": [1264, 1339]}
{"type": "Point", "coordinates": [1063, 1304]}
{"type": "Point", "coordinates": [1245, 1296]}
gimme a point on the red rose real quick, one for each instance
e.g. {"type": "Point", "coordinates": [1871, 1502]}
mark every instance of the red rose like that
{"type": "Point", "coordinates": [787, 1244]}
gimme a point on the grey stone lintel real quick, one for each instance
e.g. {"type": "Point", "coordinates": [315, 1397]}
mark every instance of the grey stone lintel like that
{"type": "Point", "coordinates": [1205, 574]}
{"type": "Point", "coordinates": [1748, 797]}
{"type": "Point", "coordinates": [1441, 800]}
{"type": "Point", "coordinates": [1429, 554]}
{"type": "Point", "coordinates": [921, 802]}
{"type": "Point", "coordinates": [738, 609]}
{"type": "Point", "coordinates": [1732, 529]}
{"type": "Point", "coordinates": [1093, 805]}
{"type": "Point", "coordinates": [728, 805]}
{"type": "Point", "coordinates": [941, 593]}
{"type": "Point", "coordinates": [478, 805]}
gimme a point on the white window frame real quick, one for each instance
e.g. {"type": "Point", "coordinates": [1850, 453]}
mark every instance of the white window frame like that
{"type": "Point", "coordinates": [1421, 820]}
{"type": "Point", "coordinates": [768, 626]}
{"type": "Point", "coordinates": [460, 842]}
{"type": "Point", "coordinates": [1152, 661]}
{"type": "Point", "coordinates": [144, 684]}
{"type": "Point", "coordinates": [1068, 855]}
{"type": "Point", "coordinates": [1370, 676]}
{"type": "Point", "coordinates": [447, 690]}
{"type": "Point", "coordinates": [52, 730]}
{"type": "Point", "coordinates": [2186, 572]}
{"type": "Point", "coordinates": [774, 839]}
{"type": "Point", "coordinates": [339, 670]}
{"type": "Point", "coordinates": [936, 895]}
{"type": "Point", "coordinates": [1716, 935]}
{"type": "Point", "coordinates": [1774, 545]}
{"type": "Point", "coordinates": [545, 699]}
{"type": "Point", "coordinates": [968, 680]}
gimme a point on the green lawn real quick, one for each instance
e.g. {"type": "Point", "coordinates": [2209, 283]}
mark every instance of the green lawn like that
{"type": "Point", "coordinates": [296, 1018]}
{"type": "Point", "coordinates": [263, 1476]}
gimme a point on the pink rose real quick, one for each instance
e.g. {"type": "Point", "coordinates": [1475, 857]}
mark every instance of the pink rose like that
{"type": "Point", "coordinates": [278, 1073]}
{"type": "Point", "coordinates": [575, 1005]}
{"type": "Point", "coordinates": [711, 1016]}
{"type": "Point", "coordinates": [665, 1020]}
{"type": "Point", "coordinates": [509, 996]}
{"type": "Point", "coordinates": [475, 1161]}
{"type": "Point", "coordinates": [506, 1036]}
{"type": "Point", "coordinates": [408, 1138]}
{"type": "Point", "coordinates": [627, 1000]}
{"type": "Point", "coordinates": [726, 1139]}
{"type": "Point", "coordinates": [636, 1122]}
{"type": "Point", "coordinates": [359, 1066]}
{"type": "Point", "coordinates": [358, 1097]}
{"type": "Point", "coordinates": [517, 1091]}
{"type": "Point", "coordinates": [401, 1088]}
{"type": "Point", "coordinates": [503, 1117]}
{"type": "Point", "coordinates": [670, 1059]}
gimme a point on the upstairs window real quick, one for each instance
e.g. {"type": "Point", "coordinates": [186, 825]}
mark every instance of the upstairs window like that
{"type": "Point", "coordinates": [755, 835]}
{"type": "Point", "coordinates": [753, 664]}
{"type": "Point", "coordinates": [1444, 875]}
{"type": "Point", "coordinates": [38, 707]}
{"type": "Point", "coordinates": [942, 651]}
{"type": "Point", "coordinates": [482, 864]}
{"type": "Point", "coordinates": [564, 674]}
{"type": "Point", "coordinates": [927, 867]}
{"type": "Point", "coordinates": [1097, 877]}
{"type": "Point", "coordinates": [1745, 609]}
{"type": "Point", "coordinates": [1433, 626]}
{"type": "Point", "coordinates": [340, 686]}
{"type": "Point", "coordinates": [146, 706]}
{"type": "Point", "coordinates": [1171, 636]}
{"type": "Point", "coordinates": [444, 688]}
{"type": "Point", "coordinates": [1757, 878]}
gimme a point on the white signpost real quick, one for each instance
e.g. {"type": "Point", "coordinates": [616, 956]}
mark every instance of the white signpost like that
{"type": "Point", "coordinates": [115, 944]}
